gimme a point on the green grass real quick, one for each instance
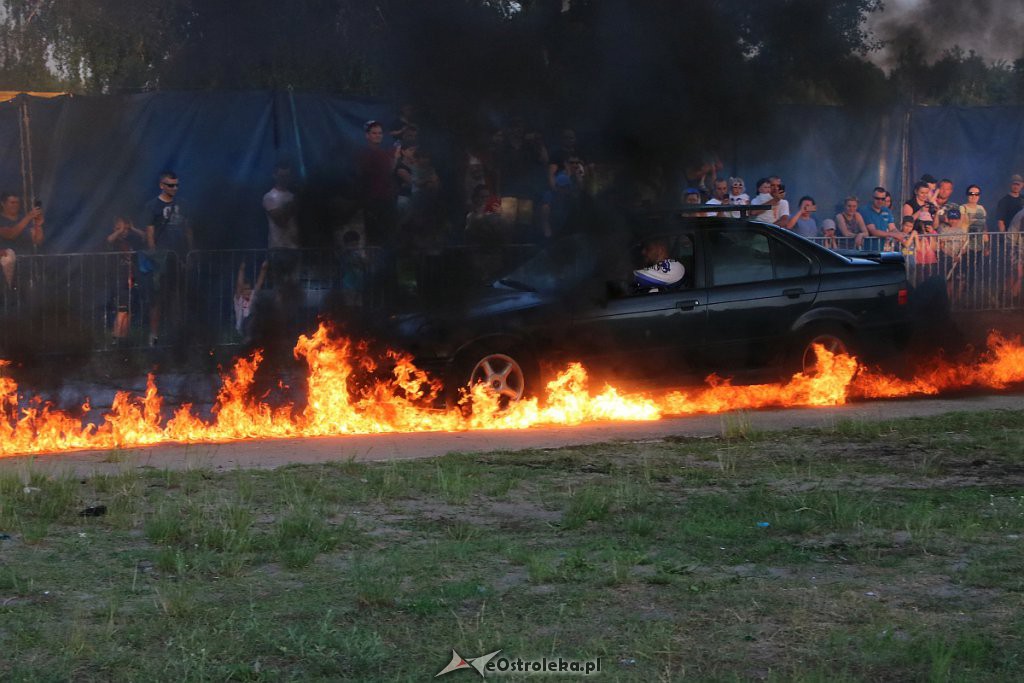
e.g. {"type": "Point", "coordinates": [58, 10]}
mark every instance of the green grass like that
{"type": "Point", "coordinates": [880, 551]}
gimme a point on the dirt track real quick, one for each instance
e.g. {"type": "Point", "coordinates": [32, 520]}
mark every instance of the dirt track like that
{"type": "Point", "coordinates": [276, 453]}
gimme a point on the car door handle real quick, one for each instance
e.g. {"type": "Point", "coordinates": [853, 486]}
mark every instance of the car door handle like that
{"type": "Point", "coordinates": [687, 305]}
{"type": "Point", "coordinates": [793, 292]}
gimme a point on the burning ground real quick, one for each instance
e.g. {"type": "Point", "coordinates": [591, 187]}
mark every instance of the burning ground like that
{"type": "Point", "coordinates": [400, 403]}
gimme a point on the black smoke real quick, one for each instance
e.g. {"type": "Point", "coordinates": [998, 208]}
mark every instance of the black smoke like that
{"type": "Point", "coordinates": [928, 28]}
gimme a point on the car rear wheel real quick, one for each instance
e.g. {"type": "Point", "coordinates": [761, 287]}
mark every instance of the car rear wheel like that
{"type": "Point", "coordinates": [833, 339]}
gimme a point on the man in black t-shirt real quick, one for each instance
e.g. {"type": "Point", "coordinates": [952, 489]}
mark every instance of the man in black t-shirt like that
{"type": "Point", "coordinates": [169, 239]}
{"type": "Point", "coordinates": [1010, 204]}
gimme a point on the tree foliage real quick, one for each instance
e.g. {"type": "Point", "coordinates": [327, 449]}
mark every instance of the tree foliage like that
{"type": "Point", "coordinates": [671, 62]}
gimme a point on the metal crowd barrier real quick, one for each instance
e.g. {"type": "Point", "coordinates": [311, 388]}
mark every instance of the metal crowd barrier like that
{"type": "Point", "coordinates": [981, 271]}
{"type": "Point", "coordinates": [73, 301]}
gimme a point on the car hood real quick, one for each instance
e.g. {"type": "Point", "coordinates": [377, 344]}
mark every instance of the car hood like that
{"type": "Point", "coordinates": [485, 303]}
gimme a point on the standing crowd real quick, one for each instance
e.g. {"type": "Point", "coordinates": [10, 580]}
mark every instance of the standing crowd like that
{"type": "Point", "coordinates": [509, 187]}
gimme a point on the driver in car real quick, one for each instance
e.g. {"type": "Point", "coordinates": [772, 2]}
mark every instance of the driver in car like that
{"type": "Point", "coordinates": [661, 271]}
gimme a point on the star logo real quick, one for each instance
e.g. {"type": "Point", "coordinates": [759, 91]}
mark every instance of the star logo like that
{"type": "Point", "coordinates": [459, 662]}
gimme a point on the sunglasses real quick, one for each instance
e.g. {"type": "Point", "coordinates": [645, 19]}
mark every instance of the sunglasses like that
{"type": "Point", "coordinates": [973, 194]}
{"type": "Point", "coordinates": [881, 199]}
{"type": "Point", "coordinates": [169, 184]}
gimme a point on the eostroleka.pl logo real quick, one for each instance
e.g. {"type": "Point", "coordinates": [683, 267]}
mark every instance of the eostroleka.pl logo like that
{"type": "Point", "coordinates": [491, 663]}
{"type": "Point", "coordinates": [478, 663]}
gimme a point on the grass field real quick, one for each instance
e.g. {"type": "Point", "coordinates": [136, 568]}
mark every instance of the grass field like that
{"type": "Point", "coordinates": [879, 551]}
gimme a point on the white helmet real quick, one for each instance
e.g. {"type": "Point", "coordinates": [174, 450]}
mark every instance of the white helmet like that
{"type": "Point", "coordinates": [661, 274]}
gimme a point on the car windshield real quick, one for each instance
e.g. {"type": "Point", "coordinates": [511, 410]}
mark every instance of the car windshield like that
{"type": "Point", "coordinates": [558, 266]}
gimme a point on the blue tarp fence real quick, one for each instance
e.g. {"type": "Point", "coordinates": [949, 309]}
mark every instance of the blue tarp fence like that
{"type": "Point", "coordinates": [90, 158]}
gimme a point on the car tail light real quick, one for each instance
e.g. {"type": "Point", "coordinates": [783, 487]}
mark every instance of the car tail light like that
{"type": "Point", "coordinates": [901, 297]}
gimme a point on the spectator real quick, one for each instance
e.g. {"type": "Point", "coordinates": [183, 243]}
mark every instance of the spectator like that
{"type": "Point", "coordinates": [124, 238]}
{"type": "Point", "coordinates": [702, 175]}
{"type": "Point", "coordinates": [279, 204]}
{"type": "Point", "coordinates": [764, 191]}
{"type": "Point", "coordinates": [919, 206]}
{"type": "Point", "coordinates": [283, 239]}
{"type": "Point", "coordinates": [973, 212]}
{"type": "Point", "coordinates": [245, 298]}
{"type": "Point", "coordinates": [828, 229]}
{"type": "Point", "coordinates": [851, 224]}
{"type": "Point", "coordinates": [405, 167]}
{"type": "Point", "coordinates": [404, 125]}
{"type": "Point", "coordinates": [943, 205]}
{"type": "Point", "coordinates": [738, 192]}
{"type": "Point", "coordinates": [1010, 204]}
{"type": "Point", "coordinates": [908, 245]}
{"type": "Point", "coordinates": [976, 221]}
{"type": "Point", "coordinates": [560, 155]}
{"type": "Point", "coordinates": [691, 195]}
{"type": "Point", "coordinates": [879, 221]}
{"type": "Point", "coordinates": [374, 165]}
{"type": "Point", "coordinates": [16, 235]}
{"type": "Point", "coordinates": [169, 239]}
{"type": "Point", "coordinates": [778, 206]}
{"type": "Point", "coordinates": [484, 226]}
{"type": "Point", "coordinates": [560, 203]}
{"type": "Point", "coordinates": [803, 223]}
{"type": "Point", "coordinates": [425, 218]}
{"type": "Point", "coordinates": [925, 252]}
{"type": "Point", "coordinates": [524, 164]}
{"type": "Point", "coordinates": [932, 184]}
{"type": "Point", "coordinates": [719, 196]}
{"type": "Point", "coordinates": [354, 267]}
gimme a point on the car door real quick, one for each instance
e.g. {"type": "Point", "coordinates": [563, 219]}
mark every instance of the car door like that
{"type": "Point", "coordinates": [647, 332]}
{"type": "Point", "coordinates": [758, 287]}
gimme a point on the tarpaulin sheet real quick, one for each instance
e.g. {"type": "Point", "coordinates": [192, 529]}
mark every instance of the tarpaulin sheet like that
{"type": "Point", "coordinates": [976, 145]}
{"type": "Point", "coordinates": [96, 157]}
{"type": "Point", "coordinates": [827, 153]}
{"type": "Point", "coordinates": [10, 148]}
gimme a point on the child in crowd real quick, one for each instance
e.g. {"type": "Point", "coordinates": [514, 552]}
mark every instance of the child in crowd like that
{"type": "Point", "coordinates": [353, 269]}
{"type": "Point", "coordinates": [828, 229]}
{"type": "Point", "coordinates": [127, 239]}
{"type": "Point", "coordinates": [909, 245]}
{"type": "Point", "coordinates": [245, 297]}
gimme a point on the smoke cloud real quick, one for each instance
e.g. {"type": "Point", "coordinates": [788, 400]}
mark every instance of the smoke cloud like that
{"type": "Point", "coordinates": [992, 28]}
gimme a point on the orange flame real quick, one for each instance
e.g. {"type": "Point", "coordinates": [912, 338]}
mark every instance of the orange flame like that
{"type": "Point", "coordinates": [335, 407]}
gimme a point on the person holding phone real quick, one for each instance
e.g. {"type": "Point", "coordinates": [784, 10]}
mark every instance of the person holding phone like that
{"type": "Point", "coordinates": [18, 234]}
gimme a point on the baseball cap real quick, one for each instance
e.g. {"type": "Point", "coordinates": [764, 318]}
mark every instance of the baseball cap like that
{"type": "Point", "coordinates": [828, 224]}
{"type": "Point", "coordinates": [1015, 178]}
{"type": "Point", "coordinates": [953, 214]}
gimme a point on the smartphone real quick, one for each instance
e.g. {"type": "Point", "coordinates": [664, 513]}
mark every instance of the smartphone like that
{"type": "Point", "coordinates": [38, 204]}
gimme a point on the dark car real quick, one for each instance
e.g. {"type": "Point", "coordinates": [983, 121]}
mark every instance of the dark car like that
{"type": "Point", "coordinates": [753, 296]}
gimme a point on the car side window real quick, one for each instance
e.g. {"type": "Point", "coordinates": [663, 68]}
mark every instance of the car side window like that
{"type": "Point", "coordinates": [739, 256]}
{"type": "Point", "coordinates": [788, 261]}
{"type": "Point", "coordinates": [682, 251]}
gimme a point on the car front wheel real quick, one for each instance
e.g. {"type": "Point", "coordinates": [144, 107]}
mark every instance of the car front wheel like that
{"type": "Point", "coordinates": [509, 373]}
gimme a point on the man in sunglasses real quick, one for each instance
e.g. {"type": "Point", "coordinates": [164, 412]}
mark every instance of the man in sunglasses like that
{"type": "Point", "coordinates": [880, 222]}
{"type": "Point", "coordinates": [169, 239]}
